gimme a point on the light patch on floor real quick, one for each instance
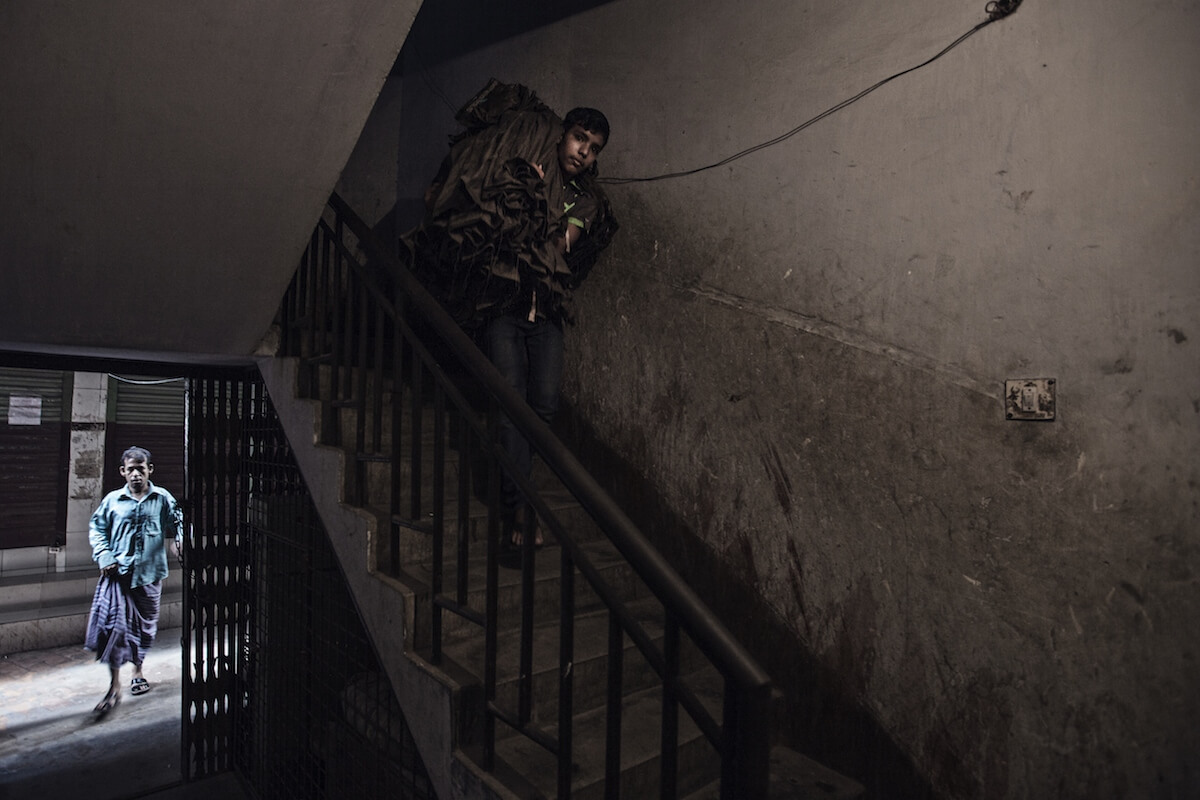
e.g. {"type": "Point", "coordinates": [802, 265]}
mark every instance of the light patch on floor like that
{"type": "Point", "coordinates": [52, 745]}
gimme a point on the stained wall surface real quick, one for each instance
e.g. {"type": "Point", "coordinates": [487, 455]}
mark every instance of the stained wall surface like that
{"type": "Point", "coordinates": [802, 353]}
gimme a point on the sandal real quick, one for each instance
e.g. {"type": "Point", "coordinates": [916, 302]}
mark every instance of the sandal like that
{"type": "Point", "coordinates": [139, 686]}
{"type": "Point", "coordinates": [110, 701]}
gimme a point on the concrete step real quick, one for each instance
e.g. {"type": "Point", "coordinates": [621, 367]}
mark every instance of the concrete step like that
{"type": "Point", "coordinates": [697, 763]}
{"type": "Point", "coordinates": [341, 408]}
{"type": "Point", "coordinates": [794, 776]}
{"type": "Point", "coordinates": [347, 424]}
{"type": "Point", "coordinates": [416, 538]}
{"type": "Point", "coordinates": [547, 589]}
{"type": "Point", "coordinates": [416, 541]}
{"type": "Point", "coordinates": [42, 611]}
{"type": "Point", "coordinates": [589, 668]}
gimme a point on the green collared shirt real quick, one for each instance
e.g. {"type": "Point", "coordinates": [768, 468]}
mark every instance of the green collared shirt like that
{"type": "Point", "coordinates": [133, 533]}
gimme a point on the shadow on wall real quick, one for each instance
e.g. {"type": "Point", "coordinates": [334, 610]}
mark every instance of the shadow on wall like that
{"type": "Point", "coordinates": [818, 715]}
{"type": "Point", "coordinates": [450, 28]}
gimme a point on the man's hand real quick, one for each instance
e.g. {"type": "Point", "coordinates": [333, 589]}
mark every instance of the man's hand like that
{"type": "Point", "coordinates": [111, 570]}
{"type": "Point", "coordinates": [177, 551]}
{"type": "Point", "coordinates": [564, 240]}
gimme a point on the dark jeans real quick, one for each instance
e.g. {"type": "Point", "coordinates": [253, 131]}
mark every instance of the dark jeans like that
{"type": "Point", "coordinates": [530, 357]}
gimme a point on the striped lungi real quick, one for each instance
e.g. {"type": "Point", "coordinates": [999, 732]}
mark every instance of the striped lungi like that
{"type": "Point", "coordinates": [123, 620]}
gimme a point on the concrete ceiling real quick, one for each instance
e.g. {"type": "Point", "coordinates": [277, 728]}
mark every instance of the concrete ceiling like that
{"type": "Point", "coordinates": [161, 165]}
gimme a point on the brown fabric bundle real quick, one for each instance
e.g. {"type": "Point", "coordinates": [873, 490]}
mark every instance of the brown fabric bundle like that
{"type": "Point", "coordinates": [488, 237]}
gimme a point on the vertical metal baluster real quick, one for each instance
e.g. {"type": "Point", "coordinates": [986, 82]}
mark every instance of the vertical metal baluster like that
{"type": "Point", "coordinates": [566, 673]}
{"type": "Point", "coordinates": [395, 471]}
{"type": "Point", "coordinates": [330, 430]}
{"type": "Point", "coordinates": [415, 431]}
{"type": "Point", "coordinates": [194, 482]}
{"type": "Point", "coordinates": [439, 483]}
{"type": "Point", "coordinates": [464, 507]}
{"type": "Point", "coordinates": [380, 371]}
{"type": "Point", "coordinates": [315, 306]}
{"type": "Point", "coordinates": [346, 294]}
{"type": "Point", "coordinates": [746, 756]}
{"type": "Point", "coordinates": [491, 602]}
{"type": "Point", "coordinates": [360, 398]}
{"type": "Point", "coordinates": [525, 679]}
{"type": "Point", "coordinates": [612, 738]}
{"type": "Point", "coordinates": [211, 577]}
{"type": "Point", "coordinates": [669, 753]}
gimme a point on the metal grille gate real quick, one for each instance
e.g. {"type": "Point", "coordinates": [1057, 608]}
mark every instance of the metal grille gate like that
{"type": "Point", "coordinates": [285, 685]}
{"type": "Point", "coordinates": [217, 570]}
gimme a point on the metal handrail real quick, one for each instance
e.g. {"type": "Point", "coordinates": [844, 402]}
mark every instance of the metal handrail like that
{"type": "Point", "coordinates": [742, 737]}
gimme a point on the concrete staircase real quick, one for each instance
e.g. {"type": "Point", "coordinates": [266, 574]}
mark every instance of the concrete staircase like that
{"type": "Point", "coordinates": [444, 701]}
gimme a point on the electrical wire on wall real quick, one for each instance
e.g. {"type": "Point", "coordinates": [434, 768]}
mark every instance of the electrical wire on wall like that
{"type": "Point", "coordinates": [146, 382]}
{"type": "Point", "coordinates": [996, 10]}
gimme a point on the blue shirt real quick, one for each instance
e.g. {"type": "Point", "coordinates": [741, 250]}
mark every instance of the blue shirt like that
{"type": "Point", "coordinates": [133, 533]}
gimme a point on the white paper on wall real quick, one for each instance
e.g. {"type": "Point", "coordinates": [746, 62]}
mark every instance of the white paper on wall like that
{"type": "Point", "coordinates": [24, 410]}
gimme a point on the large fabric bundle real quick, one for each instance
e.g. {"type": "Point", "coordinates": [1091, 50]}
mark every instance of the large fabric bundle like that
{"type": "Point", "coordinates": [488, 238]}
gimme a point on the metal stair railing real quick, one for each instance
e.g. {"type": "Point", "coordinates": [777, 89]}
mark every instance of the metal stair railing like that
{"type": "Point", "coordinates": [352, 333]}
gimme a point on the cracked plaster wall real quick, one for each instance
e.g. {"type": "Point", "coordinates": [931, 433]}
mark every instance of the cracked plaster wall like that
{"type": "Point", "coordinates": [803, 352]}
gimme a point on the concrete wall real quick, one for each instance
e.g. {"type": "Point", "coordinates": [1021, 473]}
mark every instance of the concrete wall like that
{"type": "Point", "coordinates": [174, 157]}
{"type": "Point", "coordinates": [85, 490]}
{"type": "Point", "coordinates": [801, 356]}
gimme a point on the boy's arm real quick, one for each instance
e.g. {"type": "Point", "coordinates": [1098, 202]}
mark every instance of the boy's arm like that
{"type": "Point", "coordinates": [570, 236]}
{"type": "Point", "coordinates": [98, 537]}
{"type": "Point", "coordinates": [594, 217]}
{"type": "Point", "coordinates": [579, 214]}
{"type": "Point", "coordinates": [173, 521]}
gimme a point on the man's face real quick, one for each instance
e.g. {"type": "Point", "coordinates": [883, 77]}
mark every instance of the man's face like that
{"type": "Point", "coordinates": [578, 150]}
{"type": "Point", "coordinates": [137, 474]}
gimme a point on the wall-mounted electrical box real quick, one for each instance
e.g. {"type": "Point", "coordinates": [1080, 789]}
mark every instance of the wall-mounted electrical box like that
{"type": "Point", "coordinates": [1029, 399]}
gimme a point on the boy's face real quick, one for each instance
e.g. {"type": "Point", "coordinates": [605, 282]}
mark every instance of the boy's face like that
{"type": "Point", "coordinates": [578, 150]}
{"type": "Point", "coordinates": [136, 472]}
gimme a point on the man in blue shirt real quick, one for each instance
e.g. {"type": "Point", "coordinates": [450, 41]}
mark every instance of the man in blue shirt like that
{"type": "Point", "coordinates": [128, 534]}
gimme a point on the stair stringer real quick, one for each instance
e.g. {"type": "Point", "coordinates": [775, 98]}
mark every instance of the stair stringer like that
{"type": "Point", "coordinates": [427, 696]}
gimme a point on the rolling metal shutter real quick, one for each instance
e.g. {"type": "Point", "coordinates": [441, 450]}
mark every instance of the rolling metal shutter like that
{"type": "Point", "coordinates": [150, 413]}
{"type": "Point", "coordinates": [34, 442]}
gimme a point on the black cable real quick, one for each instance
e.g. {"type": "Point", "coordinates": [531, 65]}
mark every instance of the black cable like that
{"type": "Point", "coordinates": [995, 9]}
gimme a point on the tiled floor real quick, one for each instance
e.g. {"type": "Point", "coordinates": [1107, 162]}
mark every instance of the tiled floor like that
{"type": "Point", "coordinates": [52, 745]}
